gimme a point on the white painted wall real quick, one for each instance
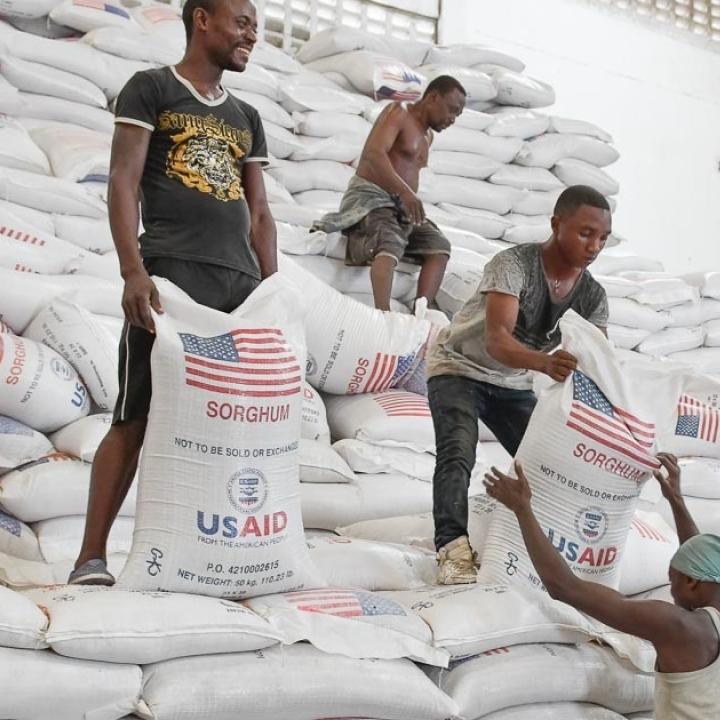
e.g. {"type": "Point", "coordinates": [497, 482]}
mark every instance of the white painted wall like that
{"type": "Point", "coordinates": [657, 95]}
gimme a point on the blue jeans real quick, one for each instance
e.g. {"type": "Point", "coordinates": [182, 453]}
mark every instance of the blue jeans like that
{"type": "Point", "coordinates": [456, 404]}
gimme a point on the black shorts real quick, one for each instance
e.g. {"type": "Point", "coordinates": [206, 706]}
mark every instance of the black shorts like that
{"type": "Point", "coordinates": [214, 286]}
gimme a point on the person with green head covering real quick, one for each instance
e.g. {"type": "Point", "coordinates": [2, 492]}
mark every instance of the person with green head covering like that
{"type": "Point", "coordinates": [685, 634]}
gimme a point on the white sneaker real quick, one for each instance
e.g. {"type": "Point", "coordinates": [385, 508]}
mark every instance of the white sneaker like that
{"type": "Point", "coordinates": [456, 563]}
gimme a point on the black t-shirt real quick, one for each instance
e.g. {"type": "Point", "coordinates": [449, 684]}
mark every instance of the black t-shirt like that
{"type": "Point", "coordinates": [193, 201]}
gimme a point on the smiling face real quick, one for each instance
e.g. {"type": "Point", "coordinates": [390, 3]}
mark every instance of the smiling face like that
{"type": "Point", "coordinates": [581, 235]}
{"type": "Point", "coordinates": [228, 32]}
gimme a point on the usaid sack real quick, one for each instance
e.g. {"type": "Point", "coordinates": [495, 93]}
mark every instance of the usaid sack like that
{"type": "Point", "coordinates": [587, 452]}
{"type": "Point", "coordinates": [218, 509]}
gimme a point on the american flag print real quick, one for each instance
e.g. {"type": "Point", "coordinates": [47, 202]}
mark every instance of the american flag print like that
{"type": "Point", "coordinates": [105, 7]}
{"type": "Point", "coordinates": [20, 235]}
{"type": "Point", "coordinates": [595, 417]}
{"type": "Point", "coordinates": [697, 420]}
{"type": "Point", "coordinates": [252, 362]}
{"type": "Point", "coordinates": [403, 404]}
{"type": "Point", "coordinates": [644, 530]}
{"type": "Point", "coordinates": [387, 370]}
{"type": "Point", "coordinates": [343, 602]}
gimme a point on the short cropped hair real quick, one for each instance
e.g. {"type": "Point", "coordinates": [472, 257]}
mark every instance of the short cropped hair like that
{"type": "Point", "coordinates": [576, 195]}
{"type": "Point", "coordinates": [188, 10]}
{"type": "Point", "coordinates": [443, 84]}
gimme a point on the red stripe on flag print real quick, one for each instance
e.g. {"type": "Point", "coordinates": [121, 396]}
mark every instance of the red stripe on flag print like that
{"type": "Point", "coordinates": [329, 602]}
{"type": "Point", "coordinates": [647, 531]}
{"type": "Point", "coordinates": [403, 404]}
{"type": "Point", "coordinates": [250, 362]}
{"type": "Point", "coordinates": [19, 235]}
{"type": "Point", "coordinates": [382, 372]}
{"type": "Point", "coordinates": [709, 416]}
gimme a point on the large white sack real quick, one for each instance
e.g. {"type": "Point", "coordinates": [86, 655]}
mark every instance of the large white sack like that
{"type": "Point", "coordinates": [373, 74]}
{"type": "Point", "coordinates": [672, 340]}
{"type": "Point", "coordinates": [314, 424]}
{"type": "Point", "coordinates": [37, 218]}
{"type": "Point", "coordinates": [587, 453]}
{"type": "Point", "coordinates": [269, 110]}
{"type": "Point", "coordinates": [23, 295]}
{"type": "Point", "coordinates": [461, 139]}
{"type": "Point", "coordinates": [291, 683]}
{"type": "Point", "coordinates": [525, 178]}
{"type": "Point", "coordinates": [311, 91]}
{"type": "Point", "coordinates": [625, 337]}
{"type": "Point", "coordinates": [17, 540]}
{"type": "Point", "coordinates": [280, 141]}
{"type": "Point", "coordinates": [369, 300]}
{"type": "Point", "coordinates": [82, 437]}
{"type": "Point", "coordinates": [535, 202]}
{"type": "Point", "coordinates": [616, 286]}
{"type": "Point", "coordinates": [46, 107]}
{"type": "Point", "coordinates": [60, 538]}
{"type": "Point", "coordinates": [160, 20]}
{"type": "Point", "coordinates": [49, 194]}
{"type": "Point", "coordinates": [26, 253]}
{"type": "Point", "coordinates": [568, 126]}
{"type": "Point", "coordinates": [326, 507]}
{"type": "Point", "coordinates": [42, 389]}
{"type": "Point", "coordinates": [352, 348]}
{"type": "Point", "coordinates": [472, 193]}
{"type": "Point", "coordinates": [469, 54]}
{"type": "Point", "coordinates": [22, 623]}
{"type": "Point", "coordinates": [627, 312]}
{"type": "Point", "coordinates": [214, 412]}
{"type": "Point", "coordinates": [521, 90]}
{"type": "Point", "coordinates": [662, 293]}
{"type": "Point", "coordinates": [132, 43]}
{"type": "Point", "coordinates": [329, 124]}
{"type": "Point", "coordinates": [88, 16]}
{"type": "Point", "coordinates": [547, 150]}
{"type": "Point", "coordinates": [340, 39]}
{"type": "Point", "coordinates": [350, 622]}
{"type": "Point", "coordinates": [350, 562]}
{"type": "Point", "coordinates": [546, 673]}
{"type": "Point", "coordinates": [52, 487]}
{"type": "Point", "coordinates": [609, 264]}
{"type": "Point", "coordinates": [703, 360]}
{"type": "Point", "coordinates": [463, 164]}
{"type": "Point", "coordinates": [483, 222]}
{"type": "Point", "coordinates": [118, 626]}
{"type": "Point", "coordinates": [705, 513]}
{"type": "Point", "coordinates": [46, 685]}
{"type": "Point", "coordinates": [274, 190]}
{"type": "Point", "coordinates": [395, 418]}
{"type": "Point", "coordinates": [521, 234]}
{"type": "Point", "coordinates": [20, 444]}
{"type": "Point", "coordinates": [75, 154]}
{"type": "Point", "coordinates": [298, 177]}
{"type": "Point", "coordinates": [78, 337]}
{"type": "Point", "coordinates": [462, 277]}
{"type": "Point", "coordinates": [17, 148]}
{"type": "Point", "coordinates": [517, 122]}
{"type": "Point", "coordinates": [333, 273]}
{"type": "Point", "coordinates": [319, 463]}
{"type": "Point", "coordinates": [471, 619]}
{"type": "Point", "coordinates": [478, 85]}
{"type": "Point", "coordinates": [707, 283]}
{"type": "Point", "coordinates": [578, 172]}
{"type": "Point", "coordinates": [273, 58]}
{"type": "Point", "coordinates": [471, 241]}
{"type": "Point", "coordinates": [650, 546]}
{"type": "Point", "coordinates": [293, 214]}
{"type": "Point", "coordinates": [700, 477]}
{"type": "Point", "coordinates": [321, 200]}
{"type": "Point", "coordinates": [344, 148]}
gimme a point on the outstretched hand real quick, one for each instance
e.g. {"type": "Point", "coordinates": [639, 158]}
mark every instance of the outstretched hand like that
{"type": "Point", "coordinates": [670, 483]}
{"type": "Point", "coordinates": [514, 493]}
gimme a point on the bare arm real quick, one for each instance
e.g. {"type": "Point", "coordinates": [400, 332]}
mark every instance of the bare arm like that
{"type": "Point", "coordinates": [670, 486]}
{"type": "Point", "coordinates": [127, 162]}
{"type": "Point", "coordinates": [501, 312]}
{"type": "Point", "coordinates": [376, 166]}
{"type": "Point", "coordinates": [656, 621]}
{"type": "Point", "coordinates": [263, 234]}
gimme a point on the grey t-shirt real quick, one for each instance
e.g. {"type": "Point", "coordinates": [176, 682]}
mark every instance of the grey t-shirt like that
{"type": "Point", "coordinates": [193, 200]}
{"type": "Point", "coordinates": [461, 348]}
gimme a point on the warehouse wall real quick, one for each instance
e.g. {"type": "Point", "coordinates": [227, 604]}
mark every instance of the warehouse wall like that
{"type": "Point", "coordinates": [658, 96]}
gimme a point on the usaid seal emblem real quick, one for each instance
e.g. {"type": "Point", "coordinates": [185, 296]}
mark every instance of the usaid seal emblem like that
{"type": "Point", "coordinates": [247, 490]}
{"type": "Point", "coordinates": [61, 369]}
{"type": "Point", "coordinates": [311, 366]}
{"type": "Point", "coordinates": [591, 524]}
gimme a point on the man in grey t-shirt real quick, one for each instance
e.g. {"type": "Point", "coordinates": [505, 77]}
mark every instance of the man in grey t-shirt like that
{"type": "Point", "coordinates": [479, 367]}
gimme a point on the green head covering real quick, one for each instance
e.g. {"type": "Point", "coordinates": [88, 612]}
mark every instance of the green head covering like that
{"type": "Point", "coordinates": [699, 558]}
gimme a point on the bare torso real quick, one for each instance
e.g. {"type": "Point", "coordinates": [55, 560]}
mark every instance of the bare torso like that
{"type": "Point", "coordinates": [408, 153]}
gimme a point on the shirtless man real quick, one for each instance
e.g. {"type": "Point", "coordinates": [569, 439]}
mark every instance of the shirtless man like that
{"type": "Point", "coordinates": [381, 214]}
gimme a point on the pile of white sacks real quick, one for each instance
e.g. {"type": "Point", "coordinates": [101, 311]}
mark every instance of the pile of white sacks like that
{"type": "Point", "coordinates": [366, 453]}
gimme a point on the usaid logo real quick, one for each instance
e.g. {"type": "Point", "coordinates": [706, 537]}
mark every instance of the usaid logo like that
{"type": "Point", "coordinates": [591, 524]}
{"type": "Point", "coordinates": [247, 490]}
{"type": "Point", "coordinates": [311, 366]}
{"type": "Point", "coordinates": [61, 369]}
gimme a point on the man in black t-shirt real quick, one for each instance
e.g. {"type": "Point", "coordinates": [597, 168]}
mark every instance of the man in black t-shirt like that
{"type": "Point", "coordinates": [191, 155]}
